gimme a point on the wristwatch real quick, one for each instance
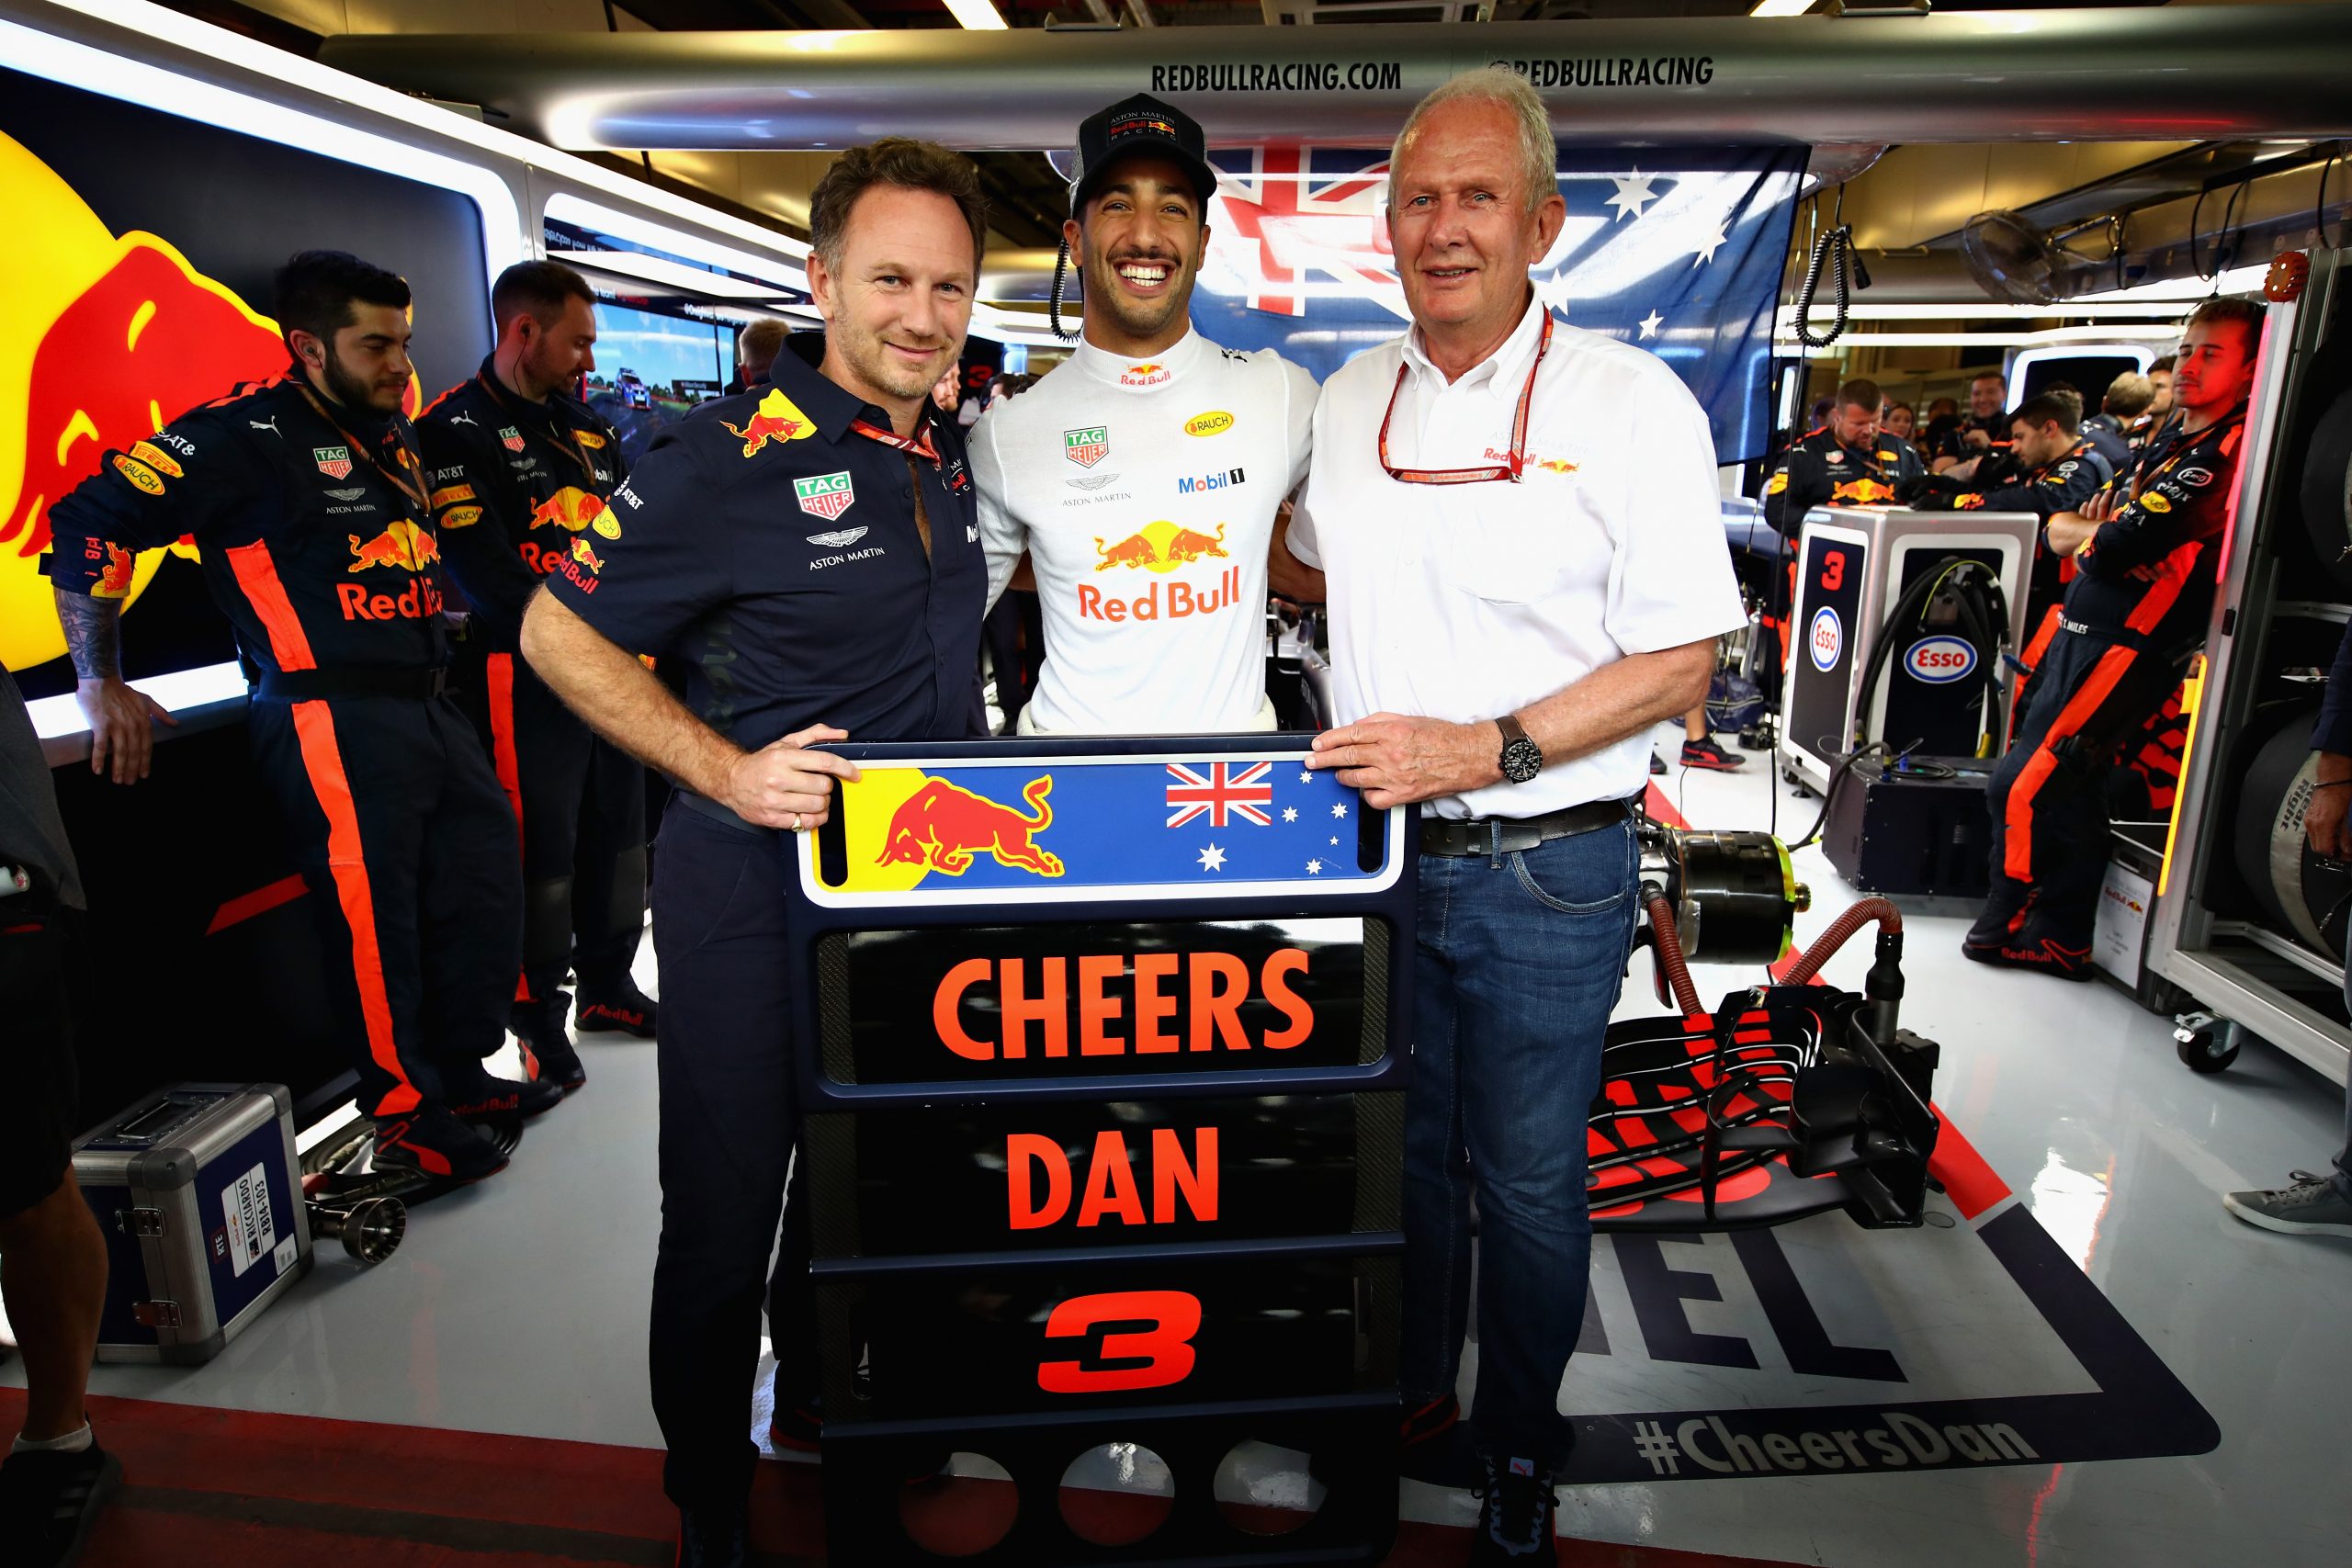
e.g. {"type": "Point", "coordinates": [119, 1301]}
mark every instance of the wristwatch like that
{"type": "Point", "coordinates": [1521, 758]}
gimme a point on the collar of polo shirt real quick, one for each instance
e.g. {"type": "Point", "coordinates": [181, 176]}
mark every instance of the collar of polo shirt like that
{"type": "Point", "coordinates": [1501, 372]}
{"type": "Point", "coordinates": [833, 406]}
{"type": "Point", "coordinates": [1168, 366]}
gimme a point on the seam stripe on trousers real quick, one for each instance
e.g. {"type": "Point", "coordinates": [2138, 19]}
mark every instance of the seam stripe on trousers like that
{"type": "Point", "coordinates": [500, 674]}
{"type": "Point", "coordinates": [2017, 853]}
{"type": "Point", "coordinates": [322, 760]}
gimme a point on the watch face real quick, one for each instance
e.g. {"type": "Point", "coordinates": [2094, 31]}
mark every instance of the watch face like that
{"type": "Point", "coordinates": [1522, 760]}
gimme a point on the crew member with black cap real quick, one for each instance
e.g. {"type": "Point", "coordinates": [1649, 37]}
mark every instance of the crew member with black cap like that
{"type": "Point", "coordinates": [860, 616]}
{"type": "Point", "coordinates": [307, 498]}
{"type": "Point", "coordinates": [522, 476]}
{"type": "Point", "coordinates": [1151, 451]}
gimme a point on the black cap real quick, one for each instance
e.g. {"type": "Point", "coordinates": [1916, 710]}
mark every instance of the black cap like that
{"type": "Point", "coordinates": [1140, 125]}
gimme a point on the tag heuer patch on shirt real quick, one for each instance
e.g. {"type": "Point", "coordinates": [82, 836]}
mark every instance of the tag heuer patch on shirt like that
{"type": "Point", "coordinates": [333, 461]}
{"type": "Point", "coordinates": [1087, 447]}
{"type": "Point", "coordinates": [825, 495]}
{"type": "Point", "coordinates": [511, 438]}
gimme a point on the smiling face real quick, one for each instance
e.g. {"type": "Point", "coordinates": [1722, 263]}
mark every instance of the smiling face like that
{"type": "Point", "coordinates": [897, 309]}
{"type": "Point", "coordinates": [556, 353]}
{"type": "Point", "coordinates": [1899, 420]}
{"type": "Point", "coordinates": [1986, 396]}
{"type": "Point", "coordinates": [1140, 240]}
{"type": "Point", "coordinates": [1464, 226]}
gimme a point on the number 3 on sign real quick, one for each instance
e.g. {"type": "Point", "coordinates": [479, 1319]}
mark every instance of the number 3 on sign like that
{"type": "Point", "coordinates": [1833, 571]}
{"type": "Point", "coordinates": [1154, 1334]}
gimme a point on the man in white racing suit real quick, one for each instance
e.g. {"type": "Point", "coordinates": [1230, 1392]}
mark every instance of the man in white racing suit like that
{"type": "Point", "coordinates": [1144, 474]}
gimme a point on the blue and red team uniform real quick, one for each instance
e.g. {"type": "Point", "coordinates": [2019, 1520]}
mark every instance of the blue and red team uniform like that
{"type": "Point", "coordinates": [316, 542]}
{"type": "Point", "coordinates": [2135, 609]}
{"type": "Point", "coordinates": [519, 487]}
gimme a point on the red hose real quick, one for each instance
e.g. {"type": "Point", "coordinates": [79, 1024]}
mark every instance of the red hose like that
{"type": "Point", "coordinates": [1889, 917]}
{"type": "Point", "coordinates": [1669, 956]}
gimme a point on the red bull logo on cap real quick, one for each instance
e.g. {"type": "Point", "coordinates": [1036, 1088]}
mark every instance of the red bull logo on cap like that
{"type": "Point", "coordinates": [777, 418]}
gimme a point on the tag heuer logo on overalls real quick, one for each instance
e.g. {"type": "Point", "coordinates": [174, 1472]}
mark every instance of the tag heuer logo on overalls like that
{"type": "Point", "coordinates": [333, 461]}
{"type": "Point", "coordinates": [1087, 447]}
{"type": "Point", "coordinates": [825, 495]}
{"type": "Point", "coordinates": [512, 437]}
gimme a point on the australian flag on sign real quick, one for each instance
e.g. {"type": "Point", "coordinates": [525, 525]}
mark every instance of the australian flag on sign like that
{"type": "Point", "coordinates": [1677, 250]}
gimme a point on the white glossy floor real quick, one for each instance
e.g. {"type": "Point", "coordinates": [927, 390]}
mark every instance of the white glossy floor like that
{"type": "Point", "coordinates": [519, 1307]}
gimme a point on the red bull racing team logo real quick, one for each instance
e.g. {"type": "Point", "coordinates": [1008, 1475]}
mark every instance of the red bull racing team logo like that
{"type": "Point", "coordinates": [777, 418]}
{"type": "Point", "coordinates": [403, 545]}
{"type": "Point", "coordinates": [942, 826]}
{"type": "Point", "coordinates": [573, 511]}
{"type": "Point", "coordinates": [1160, 546]}
{"type": "Point", "coordinates": [113, 578]}
{"type": "Point", "coordinates": [1862, 492]}
{"type": "Point", "coordinates": [1087, 446]}
{"type": "Point", "coordinates": [1152, 374]}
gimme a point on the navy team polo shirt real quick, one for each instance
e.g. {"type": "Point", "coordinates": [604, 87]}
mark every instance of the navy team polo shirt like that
{"type": "Point", "coordinates": [769, 544]}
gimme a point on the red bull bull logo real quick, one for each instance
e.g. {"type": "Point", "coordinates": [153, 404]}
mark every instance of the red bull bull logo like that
{"type": "Point", "coordinates": [777, 418]}
{"type": "Point", "coordinates": [113, 580]}
{"type": "Point", "coordinates": [103, 340]}
{"type": "Point", "coordinates": [1159, 546]}
{"type": "Point", "coordinates": [942, 826]}
{"type": "Point", "coordinates": [1862, 492]}
{"type": "Point", "coordinates": [571, 509]}
{"type": "Point", "coordinates": [586, 556]}
{"type": "Point", "coordinates": [401, 544]}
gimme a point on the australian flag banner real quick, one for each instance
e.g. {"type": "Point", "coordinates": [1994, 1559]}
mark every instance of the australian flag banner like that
{"type": "Point", "coordinates": [1677, 250]}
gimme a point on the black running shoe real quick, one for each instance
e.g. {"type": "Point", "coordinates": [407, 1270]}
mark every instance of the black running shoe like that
{"type": "Point", "coordinates": [1516, 1513]}
{"type": "Point", "coordinates": [479, 1096]}
{"type": "Point", "coordinates": [798, 1427]}
{"type": "Point", "coordinates": [1708, 754]}
{"type": "Point", "coordinates": [432, 1142]}
{"type": "Point", "coordinates": [621, 1009]}
{"type": "Point", "coordinates": [547, 1055]}
{"type": "Point", "coordinates": [1658, 764]}
{"type": "Point", "coordinates": [713, 1538]}
{"type": "Point", "coordinates": [49, 1502]}
{"type": "Point", "coordinates": [2026, 951]}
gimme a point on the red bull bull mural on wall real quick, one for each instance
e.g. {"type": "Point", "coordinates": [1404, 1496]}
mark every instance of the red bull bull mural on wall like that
{"type": "Point", "coordinates": [103, 339]}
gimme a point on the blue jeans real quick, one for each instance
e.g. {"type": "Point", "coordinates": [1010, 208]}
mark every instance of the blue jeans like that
{"type": "Point", "coordinates": [1519, 965]}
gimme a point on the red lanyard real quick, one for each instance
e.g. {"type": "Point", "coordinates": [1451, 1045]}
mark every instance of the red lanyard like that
{"type": "Point", "coordinates": [917, 444]}
{"type": "Point", "coordinates": [1508, 469]}
{"type": "Point", "coordinates": [564, 440]}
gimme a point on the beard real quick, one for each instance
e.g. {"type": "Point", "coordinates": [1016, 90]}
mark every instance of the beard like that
{"type": "Point", "coordinates": [872, 362]}
{"type": "Point", "coordinates": [360, 397]}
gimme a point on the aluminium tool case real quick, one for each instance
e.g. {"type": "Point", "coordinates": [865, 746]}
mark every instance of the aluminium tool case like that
{"type": "Point", "coordinates": [198, 1193]}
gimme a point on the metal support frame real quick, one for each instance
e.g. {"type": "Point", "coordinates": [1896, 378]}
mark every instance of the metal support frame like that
{"type": "Point", "coordinates": [2243, 972]}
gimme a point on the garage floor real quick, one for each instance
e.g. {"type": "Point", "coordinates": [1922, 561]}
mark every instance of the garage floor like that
{"type": "Point", "coordinates": [1960, 1393]}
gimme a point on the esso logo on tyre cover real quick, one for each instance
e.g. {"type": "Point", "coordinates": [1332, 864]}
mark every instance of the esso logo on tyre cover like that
{"type": "Point", "coordinates": [1940, 660]}
{"type": "Point", "coordinates": [1825, 640]}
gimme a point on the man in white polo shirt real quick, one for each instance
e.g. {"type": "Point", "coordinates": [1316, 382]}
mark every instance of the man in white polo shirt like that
{"type": "Point", "coordinates": [1516, 525]}
{"type": "Point", "coordinates": [1143, 474]}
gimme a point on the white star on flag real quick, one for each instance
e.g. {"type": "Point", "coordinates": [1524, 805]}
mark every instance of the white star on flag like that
{"type": "Point", "coordinates": [1706, 252]}
{"type": "Point", "coordinates": [1315, 868]}
{"type": "Point", "coordinates": [1306, 776]}
{"type": "Point", "coordinates": [1212, 859]}
{"type": "Point", "coordinates": [1335, 838]}
{"type": "Point", "coordinates": [1338, 808]}
{"type": "Point", "coordinates": [1650, 323]}
{"type": "Point", "coordinates": [1290, 813]}
{"type": "Point", "coordinates": [1633, 193]}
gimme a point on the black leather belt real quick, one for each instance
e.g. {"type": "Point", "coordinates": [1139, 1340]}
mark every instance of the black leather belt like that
{"type": "Point", "coordinates": [420, 683]}
{"type": "Point", "coordinates": [725, 816]}
{"type": "Point", "coordinates": [1507, 835]}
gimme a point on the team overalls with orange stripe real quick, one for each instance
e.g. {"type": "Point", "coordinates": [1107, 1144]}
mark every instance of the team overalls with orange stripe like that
{"type": "Point", "coordinates": [2138, 604]}
{"type": "Point", "coordinates": [519, 488]}
{"type": "Point", "coordinates": [316, 542]}
{"type": "Point", "coordinates": [1820, 471]}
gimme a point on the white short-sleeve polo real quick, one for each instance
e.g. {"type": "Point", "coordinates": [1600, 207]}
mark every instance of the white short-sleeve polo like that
{"type": "Point", "coordinates": [1464, 602]}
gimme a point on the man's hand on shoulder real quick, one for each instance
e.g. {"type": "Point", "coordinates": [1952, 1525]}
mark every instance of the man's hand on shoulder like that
{"type": "Point", "coordinates": [785, 784]}
{"type": "Point", "coordinates": [1394, 760]}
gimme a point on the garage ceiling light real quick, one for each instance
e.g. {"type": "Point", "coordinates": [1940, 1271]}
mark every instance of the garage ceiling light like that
{"type": "Point", "coordinates": [976, 15]}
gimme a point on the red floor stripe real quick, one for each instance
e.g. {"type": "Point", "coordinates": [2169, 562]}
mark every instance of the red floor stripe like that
{"type": "Point", "coordinates": [260, 901]}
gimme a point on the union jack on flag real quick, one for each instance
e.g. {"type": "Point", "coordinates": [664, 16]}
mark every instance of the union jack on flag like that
{"type": "Point", "coordinates": [1219, 792]}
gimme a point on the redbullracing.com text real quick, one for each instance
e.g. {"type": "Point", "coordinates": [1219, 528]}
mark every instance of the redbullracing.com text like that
{"type": "Point", "coordinates": [1296, 76]}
